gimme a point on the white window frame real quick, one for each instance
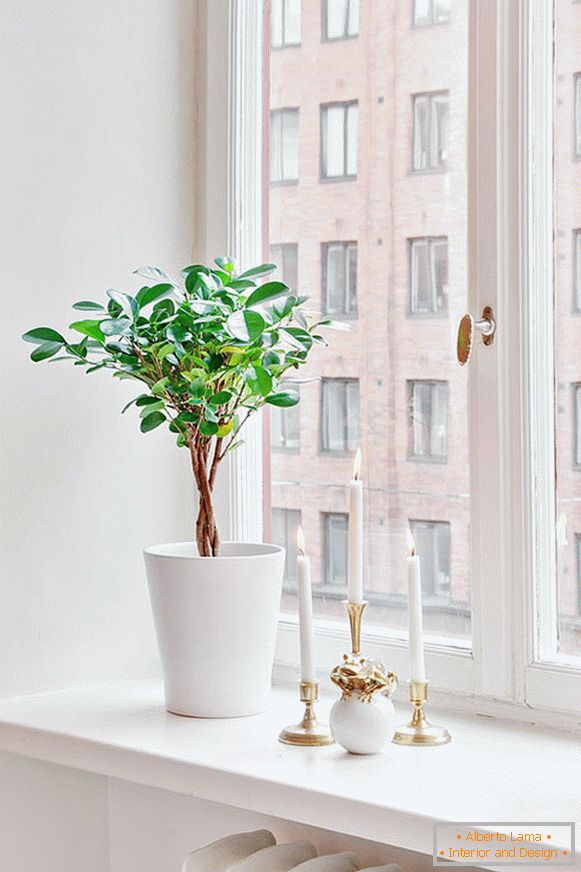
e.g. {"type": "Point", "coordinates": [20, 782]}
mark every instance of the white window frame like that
{"type": "Point", "coordinates": [511, 413]}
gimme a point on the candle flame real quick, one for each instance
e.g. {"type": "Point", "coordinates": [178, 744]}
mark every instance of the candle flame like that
{"type": "Point", "coordinates": [357, 465]}
{"type": "Point", "coordinates": [411, 542]}
{"type": "Point", "coordinates": [300, 541]}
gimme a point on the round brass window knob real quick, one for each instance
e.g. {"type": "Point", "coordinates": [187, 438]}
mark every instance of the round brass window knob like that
{"type": "Point", "coordinates": [485, 325]}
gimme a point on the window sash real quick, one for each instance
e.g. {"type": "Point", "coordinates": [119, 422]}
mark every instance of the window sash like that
{"type": "Point", "coordinates": [428, 12]}
{"type": "Point", "coordinates": [339, 414]}
{"type": "Point", "coordinates": [428, 419]}
{"type": "Point", "coordinates": [284, 145]}
{"type": "Point", "coordinates": [336, 548]}
{"type": "Point", "coordinates": [505, 608]}
{"type": "Point", "coordinates": [339, 123]}
{"type": "Point", "coordinates": [428, 275]}
{"type": "Point", "coordinates": [285, 23]}
{"type": "Point", "coordinates": [341, 19]}
{"type": "Point", "coordinates": [430, 131]}
{"type": "Point", "coordinates": [339, 261]}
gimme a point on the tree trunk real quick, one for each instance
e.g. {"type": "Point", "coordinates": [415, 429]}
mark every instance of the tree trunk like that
{"type": "Point", "coordinates": [207, 537]}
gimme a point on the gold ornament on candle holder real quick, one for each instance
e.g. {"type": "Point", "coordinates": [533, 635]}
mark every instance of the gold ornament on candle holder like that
{"type": "Point", "coordinates": [309, 732]}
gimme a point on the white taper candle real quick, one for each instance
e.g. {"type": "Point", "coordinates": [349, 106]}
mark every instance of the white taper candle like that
{"type": "Point", "coordinates": [305, 611]}
{"type": "Point", "coordinates": [355, 584]}
{"type": "Point", "coordinates": [416, 631]}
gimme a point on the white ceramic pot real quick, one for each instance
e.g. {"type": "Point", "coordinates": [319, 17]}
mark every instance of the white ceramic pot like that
{"type": "Point", "coordinates": [215, 620]}
{"type": "Point", "coordinates": [363, 727]}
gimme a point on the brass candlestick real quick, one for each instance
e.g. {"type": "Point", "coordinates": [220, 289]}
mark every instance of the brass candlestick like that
{"type": "Point", "coordinates": [355, 612]}
{"type": "Point", "coordinates": [309, 732]}
{"type": "Point", "coordinates": [420, 731]}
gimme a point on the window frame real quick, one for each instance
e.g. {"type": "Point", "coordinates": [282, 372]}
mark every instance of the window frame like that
{"type": "Point", "coordinates": [325, 23]}
{"type": "Point", "coordinates": [430, 95]}
{"type": "Point", "coordinates": [433, 384]}
{"type": "Point", "coordinates": [346, 245]}
{"type": "Point", "coordinates": [344, 381]}
{"type": "Point", "coordinates": [324, 107]}
{"type": "Point", "coordinates": [327, 583]}
{"type": "Point", "coordinates": [510, 48]}
{"type": "Point", "coordinates": [430, 242]}
{"type": "Point", "coordinates": [282, 111]}
{"type": "Point", "coordinates": [284, 44]}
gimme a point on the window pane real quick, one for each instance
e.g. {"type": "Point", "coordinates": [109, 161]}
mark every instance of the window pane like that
{"type": "Point", "coordinates": [577, 269]}
{"type": "Point", "coordinates": [285, 523]}
{"type": "Point", "coordinates": [441, 11]}
{"type": "Point", "coordinates": [275, 146]}
{"type": "Point", "coordinates": [351, 156]}
{"type": "Point", "coordinates": [335, 279]}
{"type": "Point", "coordinates": [333, 136]}
{"type": "Point", "coordinates": [336, 18]}
{"type": "Point", "coordinates": [422, 12]}
{"type": "Point", "coordinates": [567, 218]}
{"type": "Point", "coordinates": [276, 31]}
{"type": "Point", "coordinates": [336, 549]}
{"type": "Point", "coordinates": [384, 99]}
{"type": "Point", "coordinates": [290, 145]}
{"type": "Point", "coordinates": [293, 22]}
{"type": "Point", "coordinates": [421, 133]}
{"type": "Point", "coordinates": [353, 18]}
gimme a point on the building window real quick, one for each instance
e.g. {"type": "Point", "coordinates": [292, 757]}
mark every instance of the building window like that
{"type": "Point", "coordinates": [577, 270]}
{"type": "Point", "coordinates": [285, 523]}
{"type": "Point", "coordinates": [430, 135]}
{"type": "Point", "coordinates": [429, 275]}
{"type": "Point", "coordinates": [341, 18]}
{"type": "Point", "coordinates": [285, 425]}
{"type": "Point", "coordinates": [336, 536]}
{"type": "Point", "coordinates": [339, 414]}
{"type": "Point", "coordinates": [432, 540]}
{"type": "Point", "coordinates": [339, 141]}
{"type": "Point", "coordinates": [577, 424]}
{"type": "Point", "coordinates": [286, 258]}
{"type": "Point", "coordinates": [285, 23]}
{"type": "Point", "coordinates": [578, 557]}
{"type": "Point", "coordinates": [428, 419]}
{"type": "Point", "coordinates": [284, 145]}
{"type": "Point", "coordinates": [427, 12]}
{"type": "Point", "coordinates": [339, 268]}
{"type": "Point", "coordinates": [578, 115]}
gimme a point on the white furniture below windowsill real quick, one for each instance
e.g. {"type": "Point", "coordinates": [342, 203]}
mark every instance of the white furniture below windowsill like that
{"type": "Point", "coordinates": [491, 771]}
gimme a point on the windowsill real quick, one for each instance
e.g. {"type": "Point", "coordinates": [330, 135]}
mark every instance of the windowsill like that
{"type": "Point", "coordinates": [491, 771]}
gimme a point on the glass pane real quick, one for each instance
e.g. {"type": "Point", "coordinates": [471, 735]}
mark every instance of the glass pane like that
{"type": "Point", "coordinates": [335, 290]}
{"type": "Point", "coordinates": [290, 145]}
{"type": "Point", "coordinates": [360, 393]}
{"type": "Point", "coordinates": [336, 550]}
{"type": "Point", "coordinates": [293, 22]}
{"type": "Point", "coordinates": [276, 32]}
{"type": "Point", "coordinates": [567, 216]}
{"type": "Point", "coordinates": [441, 11]}
{"type": "Point", "coordinates": [421, 12]}
{"type": "Point", "coordinates": [351, 157]}
{"type": "Point", "coordinates": [353, 19]}
{"type": "Point", "coordinates": [439, 130]}
{"type": "Point", "coordinates": [421, 132]}
{"type": "Point", "coordinates": [336, 18]}
{"type": "Point", "coordinates": [421, 293]}
{"type": "Point", "coordinates": [333, 135]}
{"type": "Point", "coordinates": [275, 147]}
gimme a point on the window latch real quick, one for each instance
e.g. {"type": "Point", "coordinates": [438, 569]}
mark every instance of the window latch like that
{"type": "Point", "coordinates": [485, 325]}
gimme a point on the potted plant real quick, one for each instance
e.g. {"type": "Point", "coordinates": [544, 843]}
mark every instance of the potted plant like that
{"type": "Point", "coordinates": [208, 351]}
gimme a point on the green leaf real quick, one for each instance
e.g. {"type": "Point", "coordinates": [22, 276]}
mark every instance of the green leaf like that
{"type": "Point", "coordinates": [261, 270]}
{"type": "Point", "coordinates": [88, 306]}
{"type": "Point", "coordinates": [284, 399]}
{"type": "Point", "coordinates": [267, 292]}
{"type": "Point", "coordinates": [159, 388]}
{"type": "Point", "coordinates": [261, 382]}
{"type": "Point", "coordinates": [334, 325]}
{"type": "Point", "coordinates": [241, 284]}
{"type": "Point", "coordinates": [89, 328]}
{"type": "Point", "coordinates": [208, 428]}
{"type": "Point", "coordinates": [220, 398]}
{"type": "Point", "coordinates": [148, 295]}
{"type": "Point", "coordinates": [114, 326]}
{"type": "Point", "coordinates": [245, 325]}
{"type": "Point", "coordinates": [225, 263]}
{"type": "Point", "coordinates": [152, 272]}
{"type": "Point", "coordinates": [197, 388]}
{"type": "Point", "coordinates": [154, 407]}
{"type": "Point", "coordinates": [145, 400]}
{"type": "Point", "coordinates": [151, 421]}
{"type": "Point", "coordinates": [46, 350]}
{"type": "Point", "coordinates": [298, 337]}
{"type": "Point", "coordinates": [127, 303]}
{"type": "Point", "coordinates": [129, 404]}
{"type": "Point", "coordinates": [43, 334]}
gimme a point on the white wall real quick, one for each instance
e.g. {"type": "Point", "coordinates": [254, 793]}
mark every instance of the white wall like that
{"type": "Point", "coordinates": [97, 161]}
